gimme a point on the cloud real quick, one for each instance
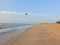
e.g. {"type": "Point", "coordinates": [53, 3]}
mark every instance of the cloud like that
{"type": "Point", "coordinates": [11, 12]}
{"type": "Point", "coordinates": [19, 17]}
{"type": "Point", "coordinates": [39, 14]}
{"type": "Point", "coordinates": [21, 13]}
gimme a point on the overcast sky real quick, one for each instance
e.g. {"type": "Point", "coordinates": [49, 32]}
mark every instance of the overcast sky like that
{"type": "Point", "coordinates": [13, 11]}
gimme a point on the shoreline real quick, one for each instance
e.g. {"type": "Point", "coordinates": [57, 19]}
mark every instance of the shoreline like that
{"type": "Point", "coordinates": [9, 35]}
{"type": "Point", "coordinates": [44, 34]}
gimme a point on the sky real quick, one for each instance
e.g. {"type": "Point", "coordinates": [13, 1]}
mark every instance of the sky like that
{"type": "Point", "coordinates": [13, 11]}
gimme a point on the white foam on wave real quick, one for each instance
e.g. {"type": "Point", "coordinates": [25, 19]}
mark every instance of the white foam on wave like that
{"type": "Point", "coordinates": [2, 31]}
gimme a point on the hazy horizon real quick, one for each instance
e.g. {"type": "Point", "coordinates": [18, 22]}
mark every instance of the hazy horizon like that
{"type": "Point", "coordinates": [39, 11]}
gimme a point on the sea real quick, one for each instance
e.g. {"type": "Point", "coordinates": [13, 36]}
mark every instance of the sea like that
{"type": "Point", "coordinates": [10, 30]}
{"type": "Point", "coordinates": [8, 27]}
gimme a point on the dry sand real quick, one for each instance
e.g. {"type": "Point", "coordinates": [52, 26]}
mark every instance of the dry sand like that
{"type": "Point", "coordinates": [44, 34]}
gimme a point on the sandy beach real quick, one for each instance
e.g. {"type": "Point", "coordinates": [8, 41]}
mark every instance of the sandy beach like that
{"type": "Point", "coordinates": [41, 34]}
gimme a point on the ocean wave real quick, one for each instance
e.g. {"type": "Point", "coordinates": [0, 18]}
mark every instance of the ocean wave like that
{"type": "Point", "coordinates": [2, 31]}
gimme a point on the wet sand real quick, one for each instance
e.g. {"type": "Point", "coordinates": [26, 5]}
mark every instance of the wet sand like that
{"type": "Point", "coordinates": [42, 34]}
{"type": "Point", "coordinates": [7, 36]}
